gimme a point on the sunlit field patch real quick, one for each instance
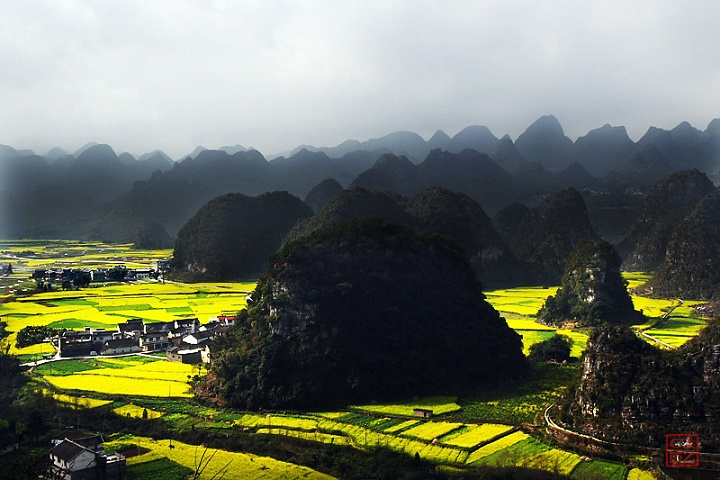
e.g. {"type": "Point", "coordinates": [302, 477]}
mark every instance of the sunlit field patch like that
{"type": "Point", "coordinates": [579, 340]}
{"type": "Point", "coordinates": [638, 474]}
{"type": "Point", "coordinates": [525, 323]}
{"type": "Point", "coordinates": [477, 434]}
{"type": "Point", "coordinates": [438, 404]}
{"type": "Point", "coordinates": [113, 385]}
{"type": "Point", "coordinates": [431, 430]}
{"type": "Point", "coordinates": [157, 378]}
{"type": "Point", "coordinates": [223, 464]}
{"type": "Point", "coordinates": [496, 446]}
{"type": "Point", "coordinates": [635, 279]}
{"type": "Point", "coordinates": [76, 402]}
{"type": "Point", "coordinates": [137, 412]}
{"type": "Point", "coordinates": [521, 300]}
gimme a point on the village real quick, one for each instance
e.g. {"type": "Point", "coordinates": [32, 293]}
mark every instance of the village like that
{"type": "Point", "coordinates": [184, 340]}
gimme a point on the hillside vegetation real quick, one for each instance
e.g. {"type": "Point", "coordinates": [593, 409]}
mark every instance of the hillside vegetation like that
{"type": "Point", "coordinates": [363, 311]}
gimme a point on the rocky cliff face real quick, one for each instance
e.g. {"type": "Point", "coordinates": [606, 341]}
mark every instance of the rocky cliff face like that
{"type": "Point", "coordinates": [631, 391]}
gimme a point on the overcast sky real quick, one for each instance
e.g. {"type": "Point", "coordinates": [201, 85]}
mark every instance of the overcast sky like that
{"type": "Point", "coordinates": [143, 75]}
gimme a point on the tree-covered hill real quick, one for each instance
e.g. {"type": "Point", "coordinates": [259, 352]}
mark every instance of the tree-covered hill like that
{"type": "Point", "coordinates": [232, 236]}
{"type": "Point", "coordinates": [360, 311]}
{"type": "Point", "coordinates": [667, 204]}
{"type": "Point", "coordinates": [634, 392]}
{"type": "Point", "coordinates": [593, 291]}
{"type": "Point", "coordinates": [691, 268]}
{"type": "Point", "coordinates": [437, 210]}
{"type": "Point", "coordinates": [546, 235]}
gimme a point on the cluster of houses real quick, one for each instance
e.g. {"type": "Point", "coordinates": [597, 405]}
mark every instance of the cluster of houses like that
{"type": "Point", "coordinates": [184, 340]}
{"type": "Point", "coordinates": [161, 267]}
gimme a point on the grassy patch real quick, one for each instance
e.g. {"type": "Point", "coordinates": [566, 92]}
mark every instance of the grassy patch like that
{"type": "Point", "coordinates": [521, 403]}
{"type": "Point", "coordinates": [64, 367]}
{"type": "Point", "coordinates": [158, 469]}
{"type": "Point", "coordinates": [600, 469]}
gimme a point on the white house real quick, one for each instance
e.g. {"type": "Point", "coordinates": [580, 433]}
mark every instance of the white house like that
{"type": "Point", "coordinates": [79, 460]}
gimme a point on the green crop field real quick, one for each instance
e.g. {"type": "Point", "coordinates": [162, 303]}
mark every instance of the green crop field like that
{"type": "Point", "coordinates": [524, 402]}
{"type": "Point", "coordinates": [554, 461]}
{"type": "Point", "coordinates": [604, 470]}
{"type": "Point", "coordinates": [515, 455]}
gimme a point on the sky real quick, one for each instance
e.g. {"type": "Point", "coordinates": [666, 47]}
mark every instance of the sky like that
{"type": "Point", "coordinates": [144, 75]}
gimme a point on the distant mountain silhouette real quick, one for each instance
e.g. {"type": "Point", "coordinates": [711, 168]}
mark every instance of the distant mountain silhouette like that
{"type": "Point", "coordinates": [469, 172]}
{"type": "Point", "coordinates": [439, 140]}
{"type": "Point", "coordinates": [322, 193]}
{"type": "Point", "coordinates": [603, 149]}
{"type": "Point", "coordinates": [544, 141]}
{"type": "Point", "coordinates": [475, 137]}
{"type": "Point", "coordinates": [507, 155]}
{"type": "Point", "coordinates": [440, 211]}
{"type": "Point", "coordinates": [97, 194]}
{"type": "Point", "coordinates": [55, 154]}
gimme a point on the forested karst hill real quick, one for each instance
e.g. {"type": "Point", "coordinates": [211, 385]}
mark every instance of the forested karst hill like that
{"type": "Point", "coordinates": [665, 207]}
{"type": "Point", "coordinates": [437, 210]}
{"type": "Point", "coordinates": [232, 236]}
{"type": "Point", "coordinates": [633, 392]}
{"type": "Point", "coordinates": [546, 235]}
{"type": "Point", "coordinates": [691, 268]}
{"type": "Point", "coordinates": [593, 292]}
{"type": "Point", "coordinates": [350, 313]}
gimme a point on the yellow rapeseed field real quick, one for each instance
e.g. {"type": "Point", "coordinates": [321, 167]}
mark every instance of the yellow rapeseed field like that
{"type": "Point", "coordinates": [117, 385]}
{"type": "Point", "coordinates": [223, 464]}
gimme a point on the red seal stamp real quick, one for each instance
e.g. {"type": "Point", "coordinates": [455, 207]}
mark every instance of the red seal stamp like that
{"type": "Point", "coordinates": [682, 450]}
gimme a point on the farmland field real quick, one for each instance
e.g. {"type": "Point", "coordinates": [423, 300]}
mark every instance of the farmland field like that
{"type": "Point", "coordinates": [438, 405]}
{"type": "Point", "coordinates": [458, 434]}
{"type": "Point", "coordinates": [223, 464]}
{"type": "Point", "coordinates": [105, 307]}
{"type": "Point", "coordinates": [605, 470]}
{"type": "Point", "coordinates": [158, 378]}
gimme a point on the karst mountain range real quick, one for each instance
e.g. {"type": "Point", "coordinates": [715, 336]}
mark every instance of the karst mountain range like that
{"type": "Point", "coordinates": [542, 191]}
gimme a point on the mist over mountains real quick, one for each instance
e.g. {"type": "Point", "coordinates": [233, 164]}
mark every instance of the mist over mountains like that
{"type": "Point", "coordinates": [97, 193]}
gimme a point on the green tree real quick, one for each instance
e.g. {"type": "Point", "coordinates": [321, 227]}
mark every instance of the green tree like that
{"type": "Point", "coordinates": [556, 348]}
